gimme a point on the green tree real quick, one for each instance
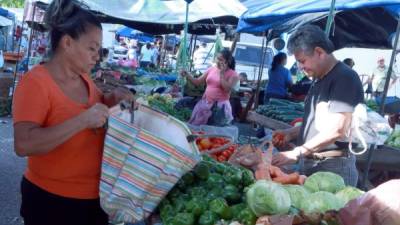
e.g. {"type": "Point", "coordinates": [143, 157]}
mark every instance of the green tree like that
{"type": "Point", "coordinates": [12, 3]}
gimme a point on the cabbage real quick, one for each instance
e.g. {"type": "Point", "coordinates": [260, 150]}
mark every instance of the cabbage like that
{"type": "Point", "coordinates": [347, 194]}
{"type": "Point", "coordinates": [268, 198]}
{"type": "Point", "coordinates": [324, 181]}
{"type": "Point", "coordinates": [320, 202]}
{"type": "Point", "coordinates": [297, 194]}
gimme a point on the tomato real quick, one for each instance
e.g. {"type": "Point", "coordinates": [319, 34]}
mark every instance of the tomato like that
{"type": "Point", "coordinates": [214, 146]}
{"type": "Point", "coordinates": [226, 153]}
{"type": "Point", "coordinates": [221, 158]}
{"type": "Point", "coordinates": [205, 143]}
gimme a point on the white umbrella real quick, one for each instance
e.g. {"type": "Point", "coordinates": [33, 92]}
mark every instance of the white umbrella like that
{"type": "Point", "coordinates": [4, 22]}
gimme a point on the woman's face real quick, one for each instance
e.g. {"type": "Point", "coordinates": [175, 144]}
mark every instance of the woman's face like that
{"type": "Point", "coordinates": [84, 51]}
{"type": "Point", "coordinates": [221, 61]}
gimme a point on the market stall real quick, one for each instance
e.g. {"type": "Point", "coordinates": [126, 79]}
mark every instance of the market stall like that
{"type": "Point", "coordinates": [372, 24]}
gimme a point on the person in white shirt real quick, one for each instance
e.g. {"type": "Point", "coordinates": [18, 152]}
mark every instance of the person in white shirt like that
{"type": "Point", "coordinates": [154, 57]}
{"type": "Point", "coordinates": [146, 54]}
{"type": "Point", "coordinates": [202, 58]}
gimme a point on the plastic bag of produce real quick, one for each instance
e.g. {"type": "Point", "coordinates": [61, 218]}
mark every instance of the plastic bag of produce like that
{"type": "Point", "coordinates": [142, 162]}
{"type": "Point", "coordinates": [380, 206]}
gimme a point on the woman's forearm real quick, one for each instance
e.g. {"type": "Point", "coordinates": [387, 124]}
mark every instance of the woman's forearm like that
{"type": "Point", "coordinates": [31, 139]}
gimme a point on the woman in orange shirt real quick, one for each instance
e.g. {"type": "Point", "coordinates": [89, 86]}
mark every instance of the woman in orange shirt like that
{"type": "Point", "coordinates": [58, 117]}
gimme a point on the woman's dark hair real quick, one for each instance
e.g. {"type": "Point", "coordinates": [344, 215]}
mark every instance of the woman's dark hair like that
{"type": "Point", "coordinates": [230, 60]}
{"type": "Point", "coordinates": [278, 60]}
{"type": "Point", "coordinates": [103, 53]}
{"type": "Point", "coordinates": [68, 17]}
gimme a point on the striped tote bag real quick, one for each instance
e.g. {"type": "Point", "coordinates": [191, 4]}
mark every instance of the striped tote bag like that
{"type": "Point", "coordinates": [142, 162]}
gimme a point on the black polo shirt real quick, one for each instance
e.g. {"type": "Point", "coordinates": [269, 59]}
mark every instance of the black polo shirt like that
{"type": "Point", "coordinates": [341, 90]}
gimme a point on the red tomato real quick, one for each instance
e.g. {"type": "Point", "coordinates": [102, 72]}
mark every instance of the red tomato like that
{"type": "Point", "coordinates": [205, 143]}
{"type": "Point", "coordinates": [226, 153]}
{"type": "Point", "coordinates": [221, 158]}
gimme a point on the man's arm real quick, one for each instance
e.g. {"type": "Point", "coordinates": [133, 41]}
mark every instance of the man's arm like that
{"type": "Point", "coordinates": [337, 128]}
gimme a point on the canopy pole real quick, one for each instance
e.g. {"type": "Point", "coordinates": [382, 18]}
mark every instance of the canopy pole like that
{"type": "Point", "coordinates": [260, 69]}
{"type": "Point", "coordinates": [330, 18]}
{"type": "Point", "coordinates": [390, 70]}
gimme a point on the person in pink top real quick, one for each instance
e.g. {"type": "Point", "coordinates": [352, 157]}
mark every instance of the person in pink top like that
{"type": "Point", "coordinates": [220, 80]}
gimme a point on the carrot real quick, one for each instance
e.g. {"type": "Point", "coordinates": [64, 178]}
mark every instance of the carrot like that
{"type": "Point", "coordinates": [276, 171]}
{"type": "Point", "coordinates": [287, 179]}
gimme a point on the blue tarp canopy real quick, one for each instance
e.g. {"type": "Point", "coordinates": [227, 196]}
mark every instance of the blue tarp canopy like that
{"type": "Point", "coordinates": [134, 34]}
{"type": "Point", "coordinates": [6, 13]}
{"type": "Point", "coordinates": [358, 23]}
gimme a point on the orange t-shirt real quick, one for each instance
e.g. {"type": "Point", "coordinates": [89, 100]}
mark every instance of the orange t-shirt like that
{"type": "Point", "coordinates": [73, 168]}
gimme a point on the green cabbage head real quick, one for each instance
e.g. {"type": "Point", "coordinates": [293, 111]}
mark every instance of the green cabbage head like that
{"type": "Point", "coordinates": [320, 202]}
{"type": "Point", "coordinates": [324, 181]}
{"type": "Point", "coordinates": [268, 198]}
{"type": "Point", "coordinates": [347, 194]}
{"type": "Point", "coordinates": [297, 194]}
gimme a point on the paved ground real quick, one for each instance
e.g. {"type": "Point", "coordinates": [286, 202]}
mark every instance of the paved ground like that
{"type": "Point", "coordinates": [11, 169]}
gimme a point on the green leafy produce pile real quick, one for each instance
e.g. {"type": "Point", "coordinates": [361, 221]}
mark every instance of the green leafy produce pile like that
{"type": "Point", "coordinates": [211, 192]}
{"type": "Point", "coordinates": [167, 105]}
{"type": "Point", "coordinates": [394, 139]}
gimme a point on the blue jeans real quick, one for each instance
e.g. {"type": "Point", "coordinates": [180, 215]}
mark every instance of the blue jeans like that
{"type": "Point", "coordinates": [344, 166]}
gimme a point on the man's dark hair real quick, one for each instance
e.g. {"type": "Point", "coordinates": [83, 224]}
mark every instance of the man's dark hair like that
{"type": "Point", "coordinates": [68, 17]}
{"type": "Point", "coordinates": [307, 38]}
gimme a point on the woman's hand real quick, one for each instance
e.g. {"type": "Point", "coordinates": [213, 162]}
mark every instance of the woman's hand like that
{"type": "Point", "coordinates": [223, 67]}
{"type": "Point", "coordinates": [96, 116]}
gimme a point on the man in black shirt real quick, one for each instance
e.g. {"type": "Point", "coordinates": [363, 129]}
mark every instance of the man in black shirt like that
{"type": "Point", "coordinates": [329, 105]}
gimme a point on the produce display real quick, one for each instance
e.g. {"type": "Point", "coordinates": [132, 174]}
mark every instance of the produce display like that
{"type": "Point", "coordinates": [213, 191]}
{"type": "Point", "coordinates": [394, 139]}
{"type": "Point", "coordinates": [205, 144]}
{"type": "Point", "coordinates": [166, 104]}
{"type": "Point", "coordinates": [282, 110]}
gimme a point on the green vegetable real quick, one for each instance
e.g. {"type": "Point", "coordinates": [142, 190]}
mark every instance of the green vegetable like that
{"type": "Point", "coordinates": [214, 193]}
{"type": "Point", "coordinates": [236, 209]}
{"type": "Point", "coordinates": [324, 181]}
{"type": "Point", "coordinates": [220, 167]}
{"type": "Point", "coordinates": [233, 176]}
{"type": "Point", "coordinates": [247, 217]}
{"type": "Point", "coordinates": [208, 218]}
{"type": "Point", "coordinates": [202, 171]}
{"type": "Point", "coordinates": [183, 219]}
{"type": "Point", "coordinates": [231, 193]}
{"type": "Point", "coordinates": [221, 208]}
{"type": "Point", "coordinates": [347, 194]}
{"type": "Point", "coordinates": [196, 206]}
{"type": "Point", "coordinates": [197, 192]}
{"type": "Point", "coordinates": [188, 178]}
{"type": "Point", "coordinates": [247, 177]}
{"type": "Point", "coordinates": [268, 198]}
{"type": "Point", "coordinates": [215, 180]}
{"type": "Point", "coordinates": [297, 194]}
{"type": "Point", "coordinates": [167, 211]}
{"type": "Point", "coordinates": [320, 202]}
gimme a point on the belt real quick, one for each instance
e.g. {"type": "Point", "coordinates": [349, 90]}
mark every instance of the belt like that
{"type": "Point", "coordinates": [328, 154]}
